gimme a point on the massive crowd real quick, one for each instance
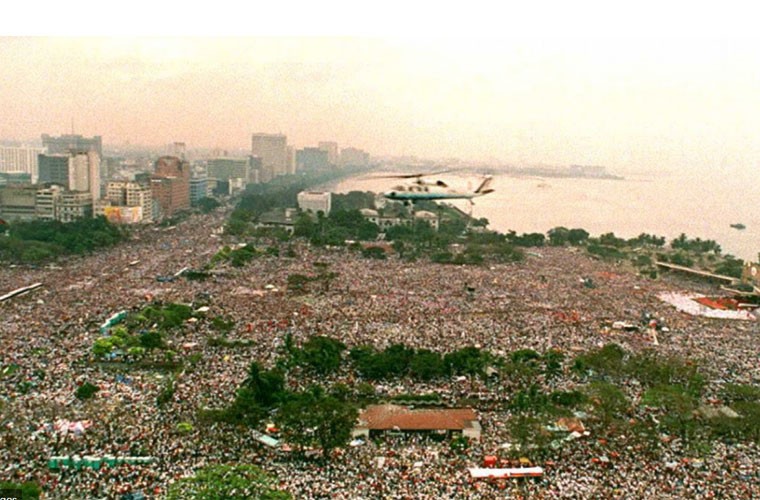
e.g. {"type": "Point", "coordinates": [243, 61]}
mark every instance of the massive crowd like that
{"type": "Point", "coordinates": [540, 303]}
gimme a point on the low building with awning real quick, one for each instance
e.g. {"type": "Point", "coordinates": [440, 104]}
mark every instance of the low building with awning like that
{"type": "Point", "coordinates": [376, 419]}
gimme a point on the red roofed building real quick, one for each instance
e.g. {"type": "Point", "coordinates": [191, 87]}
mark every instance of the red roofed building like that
{"type": "Point", "coordinates": [388, 417]}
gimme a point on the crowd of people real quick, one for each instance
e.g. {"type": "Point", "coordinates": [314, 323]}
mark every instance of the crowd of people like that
{"type": "Point", "coordinates": [541, 303]}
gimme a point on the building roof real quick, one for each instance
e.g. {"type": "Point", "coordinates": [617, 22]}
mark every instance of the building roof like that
{"type": "Point", "coordinates": [424, 214]}
{"type": "Point", "coordinates": [277, 217]}
{"type": "Point", "coordinates": [389, 417]}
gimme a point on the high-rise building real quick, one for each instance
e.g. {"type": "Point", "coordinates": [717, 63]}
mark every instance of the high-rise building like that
{"type": "Point", "coordinates": [332, 151]}
{"type": "Point", "coordinates": [198, 188]}
{"type": "Point", "coordinates": [229, 168]}
{"type": "Point", "coordinates": [66, 144]}
{"type": "Point", "coordinates": [291, 160]}
{"type": "Point", "coordinates": [273, 151]}
{"type": "Point", "coordinates": [170, 185]}
{"type": "Point", "coordinates": [73, 171]}
{"type": "Point", "coordinates": [20, 159]}
{"type": "Point", "coordinates": [172, 166]}
{"type": "Point", "coordinates": [85, 174]}
{"type": "Point", "coordinates": [312, 159]}
{"type": "Point", "coordinates": [54, 169]}
{"type": "Point", "coordinates": [352, 157]}
{"type": "Point", "coordinates": [254, 169]}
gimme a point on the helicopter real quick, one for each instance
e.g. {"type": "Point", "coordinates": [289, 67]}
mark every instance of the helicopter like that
{"type": "Point", "coordinates": [422, 189]}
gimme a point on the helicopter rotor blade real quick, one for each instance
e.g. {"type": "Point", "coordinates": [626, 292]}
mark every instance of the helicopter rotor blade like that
{"type": "Point", "coordinates": [409, 176]}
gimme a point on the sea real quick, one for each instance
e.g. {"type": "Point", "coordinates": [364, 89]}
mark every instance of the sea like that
{"type": "Point", "coordinates": [663, 204]}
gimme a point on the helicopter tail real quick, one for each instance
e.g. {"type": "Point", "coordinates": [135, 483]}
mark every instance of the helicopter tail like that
{"type": "Point", "coordinates": [484, 187]}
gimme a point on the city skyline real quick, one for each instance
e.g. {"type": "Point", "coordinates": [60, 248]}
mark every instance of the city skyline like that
{"type": "Point", "coordinates": [642, 100]}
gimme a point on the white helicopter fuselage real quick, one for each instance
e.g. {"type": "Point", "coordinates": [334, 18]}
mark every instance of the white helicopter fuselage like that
{"type": "Point", "coordinates": [422, 190]}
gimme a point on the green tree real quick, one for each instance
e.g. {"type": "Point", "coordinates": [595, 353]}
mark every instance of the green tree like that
{"type": "Point", "coordinates": [730, 266]}
{"type": "Point", "coordinates": [609, 402]}
{"type": "Point", "coordinates": [312, 418]}
{"type": "Point", "coordinates": [207, 204]}
{"type": "Point", "coordinates": [529, 433]}
{"type": "Point", "coordinates": [677, 408]}
{"type": "Point", "coordinates": [653, 370]}
{"type": "Point", "coordinates": [427, 365]}
{"type": "Point", "coordinates": [577, 236]}
{"type": "Point", "coordinates": [304, 226]}
{"type": "Point", "coordinates": [530, 400]}
{"type": "Point", "coordinates": [321, 354]}
{"type": "Point", "coordinates": [267, 386]}
{"type": "Point", "coordinates": [151, 340]}
{"type": "Point", "coordinates": [246, 409]}
{"type": "Point", "coordinates": [102, 347]}
{"type": "Point", "coordinates": [606, 361]}
{"type": "Point", "coordinates": [86, 391]}
{"type": "Point", "coordinates": [29, 490]}
{"type": "Point", "coordinates": [740, 392]}
{"type": "Point", "coordinates": [552, 360]}
{"type": "Point", "coordinates": [609, 239]}
{"type": "Point", "coordinates": [353, 200]}
{"type": "Point", "coordinates": [558, 236]}
{"type": "Point", "coordinates": [374, 253]}
{"type": "Point", "coordinates": [467, 361]}
{"type": "Point", "coordinates": [226, 482]}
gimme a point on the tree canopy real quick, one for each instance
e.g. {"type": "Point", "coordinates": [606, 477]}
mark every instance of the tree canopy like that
{"type": "Point", "coordinates": [226, 482]}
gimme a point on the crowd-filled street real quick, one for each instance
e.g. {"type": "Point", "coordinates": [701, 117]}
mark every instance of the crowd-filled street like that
{"type": "Point", "coordinates": [539, 303]}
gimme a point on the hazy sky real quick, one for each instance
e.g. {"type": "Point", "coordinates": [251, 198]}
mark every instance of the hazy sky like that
{"type": "Point", "coordinates": [628, 102]}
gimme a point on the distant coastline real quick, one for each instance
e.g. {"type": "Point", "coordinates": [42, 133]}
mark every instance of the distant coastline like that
{"type": "Point", "coordinates": [569, 172]}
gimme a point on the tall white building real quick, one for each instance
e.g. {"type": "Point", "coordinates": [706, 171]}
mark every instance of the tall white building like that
{"type": "Point", "coordinates": [20, 159]}
{"type": "Point", "coordinates": [84, 173]}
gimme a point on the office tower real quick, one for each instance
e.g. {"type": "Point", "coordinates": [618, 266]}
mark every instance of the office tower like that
{"type": "Point", "coordinates": [20, 159]}
{"type": "Point", "coordinates": [73, 171]}
{"type": "Point", "coordinates": [352, 157]}
{"type": "Point", "coordinates": [311, 159]}
{"type": "Point", "coordinates": [229, 168]}
{"type": "Point", "coordinates": [332, 151]}
{"type": "Point", "coordinates": [170, 185]}
{"type": "Point", "coordinates": [273, 151]}
{"type": "Point", "coordinates": [66, 144]}
{"type": "Point", "coordinates": [291, 170]}
{"type": "Point", "coordinates": [198, 188]}
{"type": "Point", "coordinates": [86, 173]}
{"type": "Point", "coordinates": [254, 169]}
{"type": "Point", "coordinates": [54, 169]}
